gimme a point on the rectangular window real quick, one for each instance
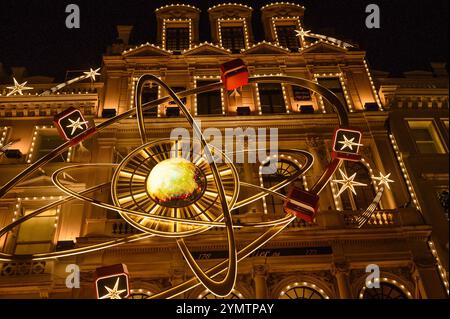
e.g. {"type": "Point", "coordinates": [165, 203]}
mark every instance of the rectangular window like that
{"type": "Point", "coordinates": [301, 94]}
{"type": "Point", "coordinates": [48, 141]}
{"type": "Point", "coordinates": [271, 97]}
{"type": "Point", "coordinates": [287, 37]}
{"type": "Point", "coordinates": [36, 234]}
{"type": "Point", "coordinates": [233, 38]}
{"type": "Point", "coordinates": [334, 85]}
{"type": "Point", "coordinates": [150, 93]}
{"type": "Point", "coordinates": [426, 137]}
{"type": "Point", "coordinates": [209, 102]}
{"type": "Point", "coordinates": [177, 39]}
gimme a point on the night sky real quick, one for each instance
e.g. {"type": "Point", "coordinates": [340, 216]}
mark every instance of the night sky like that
{"type": "Point", "coordinates": [33, 32]}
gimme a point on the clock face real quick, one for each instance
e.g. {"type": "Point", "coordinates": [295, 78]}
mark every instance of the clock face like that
{"type": "Point", "coordinates": [347, 141]}
{"type": "Point", "coordinates": [72, 124]}
{"type": "Point", "coordinates": [112, 287]}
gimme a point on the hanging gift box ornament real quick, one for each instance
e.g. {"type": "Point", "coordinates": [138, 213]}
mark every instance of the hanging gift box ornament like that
{"type": "Point", "coordinates": [112, 282]}
{"type": "Point", "coordinates": [346, 144]}
{"type": "Point", "coordinates": [72, 126]}
{"type": "Point", "coordinates": [302, 204]}
{"type": "Point", "coordinates": [234, 74]}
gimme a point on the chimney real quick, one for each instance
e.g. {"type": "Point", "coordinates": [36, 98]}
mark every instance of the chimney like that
{"type": "Point", "coordinates": [439, 69]}
{"type": "Point", "coordinates": [124, 32]}
{"type": "Point", "coordinates": [18, 72]}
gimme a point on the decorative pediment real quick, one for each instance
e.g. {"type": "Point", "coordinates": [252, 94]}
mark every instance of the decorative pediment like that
{"type": "Point", "coordinates": [207, 49]}
{"type": "Point", "coordinates": [146, 50]}
{"type": "Point", "coordinates": [265, 48]}
{"type": "Point", "coordinates": [321, 46]}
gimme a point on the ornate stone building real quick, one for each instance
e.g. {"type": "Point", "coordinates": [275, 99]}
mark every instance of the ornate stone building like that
{"type": "Point", "coordinates": [404, 124]}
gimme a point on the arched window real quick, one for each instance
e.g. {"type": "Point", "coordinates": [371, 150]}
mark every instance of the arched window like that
{"type": "Point", "coordinates": [208, 295]}
{"type": "Point", "coordinates": [364, 195]}
{"type": "Point", "coordinates": [285, 170]}
{"type": "Point", "coordinates": [302, 291]}
{"type": "Point", "coordinates": [389, 289]}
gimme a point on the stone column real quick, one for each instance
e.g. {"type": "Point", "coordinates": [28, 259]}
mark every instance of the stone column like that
{"type": "Point", "coordinates": [341, 272]}
{"type": "Point", "coordinates": [259, 279]}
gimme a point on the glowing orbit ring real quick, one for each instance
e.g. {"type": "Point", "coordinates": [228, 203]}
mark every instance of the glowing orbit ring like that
{"type": "Point", "coordinates": [218, 287]}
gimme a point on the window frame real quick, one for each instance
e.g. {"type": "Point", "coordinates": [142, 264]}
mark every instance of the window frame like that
{"type": "Point", "coordinates": [433, 130]}
{"type": "Point", "coordinates": [176, 24]}
{"type": "Point", "coordinates": [282, 94]}
{"type": "Point", "coordinates": [212, 79]}
{"type": "Point", "coordinates": [237, 22]}
{"type": "Point", "coordinates": [35, 146]}
{"type": "Point", "coordinates": [286, 21]}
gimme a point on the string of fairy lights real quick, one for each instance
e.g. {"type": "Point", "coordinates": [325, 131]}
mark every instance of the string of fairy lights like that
{"type": "Point", "coordinates": [441, 269]}
{"type": "Point", "coordinates": [340, 75]}
{"type": "Point", "coordinates": [389, 281]}
{"type": "Point", "coordinates": [304, 284]}
{"type": "Point", "coordinates": [411, 190]}
{"type": "Point", "coordinates": [206, 78]}
{"type": "Point", "coordinates": [232, 22]}
{"type": "Point", "coordinates": [3, 135]}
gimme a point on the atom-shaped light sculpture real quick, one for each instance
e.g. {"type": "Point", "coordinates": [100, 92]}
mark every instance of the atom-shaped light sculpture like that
{"type": "Point", "coordinates": [206, 193]}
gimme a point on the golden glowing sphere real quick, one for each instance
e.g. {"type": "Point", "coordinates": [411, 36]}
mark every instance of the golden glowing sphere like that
{"type": "Point", "coordinates": [175, 182]}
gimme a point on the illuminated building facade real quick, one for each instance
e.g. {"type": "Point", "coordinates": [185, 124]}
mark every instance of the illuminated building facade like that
{"type": "Point", "coordinates": [404, 124]}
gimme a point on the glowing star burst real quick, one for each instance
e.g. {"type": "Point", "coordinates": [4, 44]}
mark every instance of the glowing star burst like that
{"type": "Point", "coordinates": [348, 143]}
{"type": "Point", "coordinates": [384, 180]}
{"type": "Point", "coordinates": [76, 125]}
{"type": "Point", "coordinates": [18, 88]}
{"type": "Point", "coordinates": [348, 183]}
{"type": "Point", "coordinates": [113, 293]}
{"type": "Point", "coordinates": [302, 33]}
{"type": "Point", "coordinates": [92, 74]}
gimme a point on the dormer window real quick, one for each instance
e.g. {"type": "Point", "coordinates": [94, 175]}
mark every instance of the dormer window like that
{"type": "Point", "coordinates": [233, 38]}
{"type": "Point", "coordinates": [287, 37]}
{"type": "Point", "coordinates": [177, 34]}
{"type": "Point", "coordinates": [177, 39]}
{"type": "Point", "coordinates": [233, 34]}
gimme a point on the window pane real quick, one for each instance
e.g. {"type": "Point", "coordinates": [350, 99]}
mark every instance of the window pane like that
{"type": "Point", "coordinates": [36, 234]}
{"type": "Point", "coordinates": [150, 94]}
{"type": "Point", "coordinates": [233, 38]}
{"type": "Point", "coordinates": [177, 39]}
{"type": "Point", "coordinates": [426, 137]}
{"type": "Point", "coordinates": [208, 102]}
{"type": "Point", "coordinates": [271, 97]}
{"type": "Point", "coordinates": [287, 37]}
{"type": "Point", "coordinates": [334, 85]}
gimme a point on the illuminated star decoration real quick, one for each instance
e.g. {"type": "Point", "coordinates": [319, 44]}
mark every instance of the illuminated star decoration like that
{"type": "Point", "coordinates": [384, 180]}
{"type": "Point", "coordinates": [113, 293]}
{"type": "Point", "coordinates": [302, 33]}
{"type": "Point", "coordinates": [92, 74]}
{"type": "Point", "coordinates": [348, 143]}
{"type": "Point", "coordinates": [347, 183]}
{"type": "Point", "coordinates": [18, 88]}
{"type": "Point", "coordinates": [76, 125]}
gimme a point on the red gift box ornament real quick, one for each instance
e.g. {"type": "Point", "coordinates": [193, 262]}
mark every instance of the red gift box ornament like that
{"type": "Point", "coordinates": [234, 74]}
{"type": "Point", "coordinates": [112, 282]}
{"type": "Point", "coordinates": [301, 204]}
{"type": "Point", "coordinates": [72, 126]}
{"type": "Point", "coordinates": [346, 144]}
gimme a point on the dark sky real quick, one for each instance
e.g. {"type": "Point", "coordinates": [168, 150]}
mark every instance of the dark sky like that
{"type": "Point", "coordinates": [33, 32]}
